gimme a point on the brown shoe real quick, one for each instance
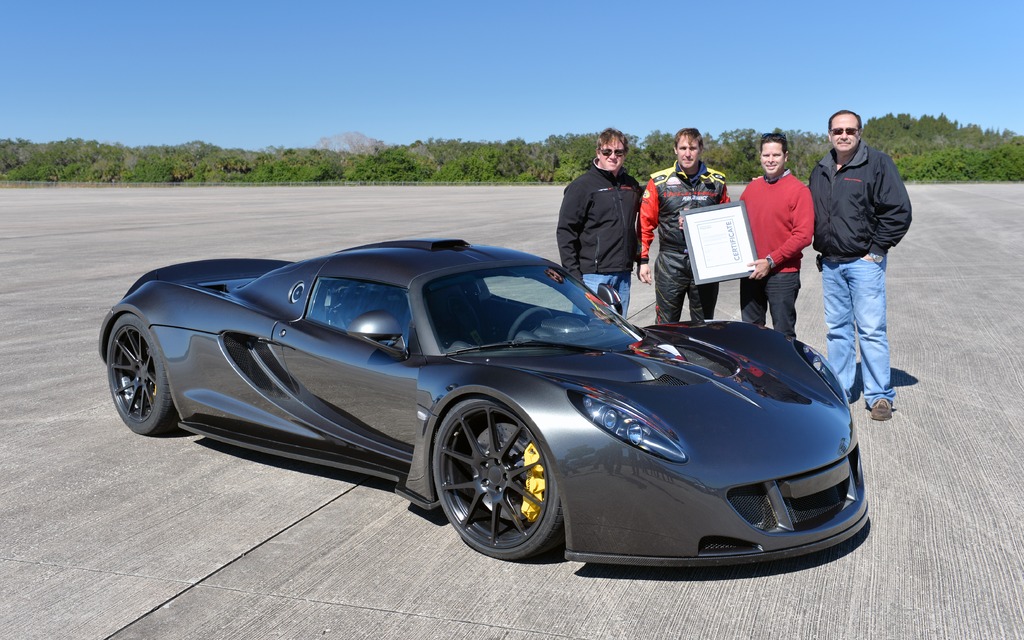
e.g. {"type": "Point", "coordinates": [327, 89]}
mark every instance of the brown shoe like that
{"type": "Point", "coordinates": [881, 410]}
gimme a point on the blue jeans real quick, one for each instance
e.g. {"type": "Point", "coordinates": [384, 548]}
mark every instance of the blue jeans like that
{"type": "Point", "coordinates": [854, 294]}
{"type": "Point", "coordinates": [618, 281]}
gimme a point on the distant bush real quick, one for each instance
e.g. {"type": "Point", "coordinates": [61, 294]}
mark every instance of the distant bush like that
{"type": "Point", "coordinates": [925, 149]}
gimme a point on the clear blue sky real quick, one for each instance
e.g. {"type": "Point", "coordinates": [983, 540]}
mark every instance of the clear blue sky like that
{"type": "Point", "coordinates": [256, 74]}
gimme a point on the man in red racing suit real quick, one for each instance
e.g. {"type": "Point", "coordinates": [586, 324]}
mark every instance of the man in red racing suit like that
{"type": "Point", "coordinates": [669, 195]}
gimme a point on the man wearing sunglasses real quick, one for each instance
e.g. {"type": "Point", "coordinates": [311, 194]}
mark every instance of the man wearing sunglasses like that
{"type": "Point", "coordinates": [596, 232]}
{"type": "Point", "coordinates": [782, 221]}
{"type": "Point", "coordinates": [861, 211]}
{"type": "Point", "coordinates": [670, 194]}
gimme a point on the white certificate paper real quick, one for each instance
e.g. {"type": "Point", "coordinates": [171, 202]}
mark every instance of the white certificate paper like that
{"type": "Point", "coordinates": [719, 241]}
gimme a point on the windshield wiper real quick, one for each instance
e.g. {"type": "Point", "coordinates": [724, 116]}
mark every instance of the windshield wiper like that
{"type": "Point", "coordinates": [512, 344]}
{"type": "Point", "coordinates": [556, 345]}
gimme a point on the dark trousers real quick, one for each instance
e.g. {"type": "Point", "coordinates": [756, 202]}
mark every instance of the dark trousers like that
{"type": "Point", "coordinates": [776, 293]}
{"type": "Point", "coordinates": [673, 282]}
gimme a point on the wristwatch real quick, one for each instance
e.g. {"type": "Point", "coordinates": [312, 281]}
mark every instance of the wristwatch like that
{"type": "Point", "coordinates": [876, 258]}
{"type": "Point", "coordinates": [771, 263]}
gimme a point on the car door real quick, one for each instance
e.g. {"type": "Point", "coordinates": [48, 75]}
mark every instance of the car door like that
{"type": "Point", "coordinates": [366, 396]}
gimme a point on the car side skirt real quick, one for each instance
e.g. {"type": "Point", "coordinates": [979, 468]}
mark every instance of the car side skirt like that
{"type": "Point", "coordinates": [290, 451]}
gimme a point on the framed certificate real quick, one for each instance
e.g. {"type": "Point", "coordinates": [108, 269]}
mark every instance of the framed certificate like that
{"type": "Point", "coordinates": [719, 241]}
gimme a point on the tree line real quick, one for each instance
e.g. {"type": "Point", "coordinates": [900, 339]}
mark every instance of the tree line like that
{"type": "Point", "coordinates": [926, 149]}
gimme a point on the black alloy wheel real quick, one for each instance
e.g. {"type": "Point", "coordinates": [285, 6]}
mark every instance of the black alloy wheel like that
{"type": "Point", "coordinates": [138, 379]}
{"type": "Point", "coordinates": [487, 463]}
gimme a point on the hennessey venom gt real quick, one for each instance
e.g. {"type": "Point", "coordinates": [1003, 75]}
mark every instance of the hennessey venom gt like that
{"type": "Point", "coordinates": [491, 383]}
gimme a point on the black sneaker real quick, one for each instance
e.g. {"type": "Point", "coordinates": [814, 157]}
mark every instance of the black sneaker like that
{"type": "Point", "coordinates": [881, 410]}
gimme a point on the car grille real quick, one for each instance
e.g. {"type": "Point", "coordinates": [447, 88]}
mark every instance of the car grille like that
{"type": "Point", "coordinates": [753, 504]}
{"type": "Point", "coordinates": [721, 545]}
{"type": "Point", "coordinates": [800, 502]}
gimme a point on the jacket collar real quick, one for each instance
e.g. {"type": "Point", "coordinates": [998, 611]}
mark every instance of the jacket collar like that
{"type": "Point", "coordinates": [860, 156]}
{"type": "Point", "coordinates": [701, 170]}
{"type": "Point", "coordinates": [611, 177]}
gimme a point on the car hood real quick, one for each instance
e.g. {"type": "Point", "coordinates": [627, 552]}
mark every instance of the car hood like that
{"type": "Point", "coordinates": [737, 404]}
{"type": "Point", "coordinates": [673, 358]}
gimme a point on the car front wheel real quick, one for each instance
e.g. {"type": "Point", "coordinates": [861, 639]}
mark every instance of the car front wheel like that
{"type": "Point", "coordinates": [138, 379]}
{"type": "Point", "coordinates": [495, 482]}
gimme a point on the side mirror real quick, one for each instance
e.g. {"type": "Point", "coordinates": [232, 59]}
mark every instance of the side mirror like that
{"type": "Point", "coordinates": [610, 297]}
{"type": "Point", "coordinates": [382, 329]}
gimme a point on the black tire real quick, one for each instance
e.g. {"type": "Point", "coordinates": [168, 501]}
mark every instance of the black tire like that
{"type": "Point", "coordinates": [138, 379]}
{"type": "Point", "coordinates": [480, 474]}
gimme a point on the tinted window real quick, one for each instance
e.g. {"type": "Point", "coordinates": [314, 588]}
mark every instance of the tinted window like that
{"type": "Point", "coordinates": [336, 302]}
{"type": "Point", "coordinates": [521, 304]}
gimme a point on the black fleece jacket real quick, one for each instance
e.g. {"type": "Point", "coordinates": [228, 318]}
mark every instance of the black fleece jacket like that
{"type": "Point", "coordinates": [597, 230]}
{"type": "Point", "coordinates": [860, 208]}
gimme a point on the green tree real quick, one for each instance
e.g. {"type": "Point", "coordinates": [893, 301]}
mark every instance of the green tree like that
{"type": "Point", "coordinates": [925, 148]}
{"type": "Point", "coordinates": [573, 153]}
{"type": "Point", "coordinates": [480, 164]}
{"type": "Point", "coordinates": [153, 169]}
{"type": "Point", "coordinates": [1005, 162]}
{"type": "Point", "coordinates": [395, 164]}
{"type": "Point", "coordinates": [806, 149]}
{"type": "Point", "coordinates": [735, 153]}
{"type": "Point", "coordinates": [652, 154]}
{"type": "Point", "coordinates": [295, 165]}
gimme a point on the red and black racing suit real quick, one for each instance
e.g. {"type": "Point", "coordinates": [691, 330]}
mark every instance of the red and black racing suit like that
{"type": "Point", "coordinates": [669, 195]}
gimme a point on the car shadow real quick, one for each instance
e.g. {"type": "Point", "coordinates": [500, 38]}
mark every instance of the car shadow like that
{"type": "Point", "coordinates": [173, 434]}
{"type": "Point", "coordinates": [433, 516]}
{"type": "Point", "coordinates": [299, 466]}
{"type": "Point", "coordinates": [728, 572]}
{"type": "Point", "coordinates": [557, 555]}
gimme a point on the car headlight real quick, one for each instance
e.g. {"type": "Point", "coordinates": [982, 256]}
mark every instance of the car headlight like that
{"type": "Point", "coordinates": [819, 364]}
{"type": "Point", "coordinates": [627, 425]}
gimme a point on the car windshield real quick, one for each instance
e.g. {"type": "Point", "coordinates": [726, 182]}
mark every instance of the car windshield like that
{"type": "Point", "coordinates": [521, 305]}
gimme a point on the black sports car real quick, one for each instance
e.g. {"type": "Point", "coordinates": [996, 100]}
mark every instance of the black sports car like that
{"type": "Point", "coordinates": [493, 384]}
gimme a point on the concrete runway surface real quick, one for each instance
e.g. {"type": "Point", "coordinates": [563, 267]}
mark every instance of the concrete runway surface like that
{"type": "Point", "coordinates": [107, 534]}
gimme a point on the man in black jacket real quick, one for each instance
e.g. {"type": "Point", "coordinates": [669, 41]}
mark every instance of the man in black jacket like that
{"type": "Point", "coordinates": [861, 210]}
{"type": "Point", "coordinates": [596, 234]}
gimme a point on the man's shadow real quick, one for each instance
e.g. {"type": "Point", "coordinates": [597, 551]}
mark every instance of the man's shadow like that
{"type": "Point", "coordinates": [897, 377]}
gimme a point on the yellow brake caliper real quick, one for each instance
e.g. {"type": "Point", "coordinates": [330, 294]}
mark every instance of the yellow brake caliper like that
{"type": "Point", "coordinates": [534, 483]}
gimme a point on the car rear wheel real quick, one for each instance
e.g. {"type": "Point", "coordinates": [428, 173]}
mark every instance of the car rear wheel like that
{"type": "Point", "coordinates": [495, 482]}
{"type": "Point", "coordinates": [138, 379]}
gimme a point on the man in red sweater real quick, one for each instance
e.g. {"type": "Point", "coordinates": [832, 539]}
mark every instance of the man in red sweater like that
{"type": "Point", "coordinates": [782, 221]}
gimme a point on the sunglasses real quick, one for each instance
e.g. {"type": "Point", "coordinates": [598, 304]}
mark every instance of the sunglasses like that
{"type": "Point", "coordinates": [773, 136]}
{"type": "Point", "coordinates": [850, 131]}
{"type": "Point", "coordinates": [618, 152]}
